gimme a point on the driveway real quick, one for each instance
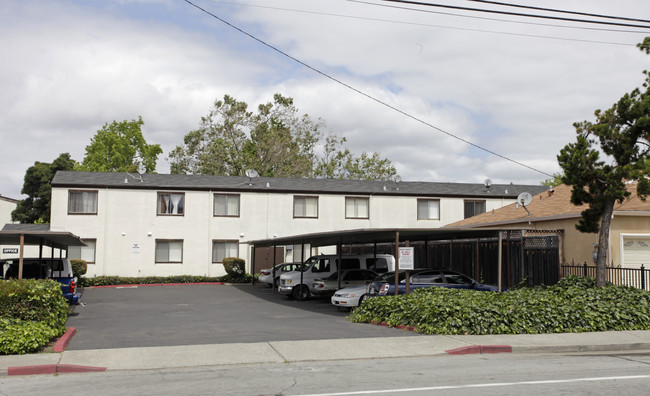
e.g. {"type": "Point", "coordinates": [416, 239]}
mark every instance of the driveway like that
{"type": "Point", "coordinates": [206, 314]}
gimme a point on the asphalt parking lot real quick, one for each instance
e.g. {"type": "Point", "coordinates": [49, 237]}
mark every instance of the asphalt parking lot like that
{"type": "Point", "coordinates": [146, 316]}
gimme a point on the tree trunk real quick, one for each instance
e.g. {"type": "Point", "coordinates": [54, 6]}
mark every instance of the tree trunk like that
{"type": "Point", "coordinates": [603, 243]}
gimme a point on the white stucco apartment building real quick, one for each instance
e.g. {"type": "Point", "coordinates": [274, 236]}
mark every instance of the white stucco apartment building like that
{"type": "Point", "coordinates": [156, 224]}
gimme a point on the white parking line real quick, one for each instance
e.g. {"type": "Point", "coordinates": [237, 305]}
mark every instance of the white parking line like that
{"type": "Point", "coordinates": [488, 385]}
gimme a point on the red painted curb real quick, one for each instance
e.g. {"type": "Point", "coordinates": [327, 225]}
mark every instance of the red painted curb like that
{"type": "Point", "coordinates": [52, 369]}
{"type": "Point", "coordinates": [64, 340]}
{"type": "Point", "coordinates": [154, 284]}
{"type": "Point", "coordinates": [479, 349]}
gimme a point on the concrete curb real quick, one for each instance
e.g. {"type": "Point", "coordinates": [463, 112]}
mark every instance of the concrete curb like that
{"type": "Point", "coordinates": [480, 349]}
{"type": "Point", "coordinates": [52, 369]}
{"type": "Point", "coordinates": [64, 340]}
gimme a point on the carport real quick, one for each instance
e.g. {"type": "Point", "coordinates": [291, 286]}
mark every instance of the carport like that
{"type": "Point", "coordinates": [514, 259]}
{"type": "Point", "coordinates": [39, 235]}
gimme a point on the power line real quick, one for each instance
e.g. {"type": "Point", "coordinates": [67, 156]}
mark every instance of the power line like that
{"type": "Point", "coordinates": [419, 3]}
{"type": "Point", "coordinates": [363, 93]}
{"type": "Point", "coordinates": [494, 19]}
{"type": "Point", "coordinates": [447, 27]}
{"type": "Point", "coordinates": [559, 11]}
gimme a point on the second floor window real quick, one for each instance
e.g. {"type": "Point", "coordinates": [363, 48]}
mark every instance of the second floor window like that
{"type": "Point", "coordinates": [428, 209]}
{"type": "Point", "coordinates": [226, 205]}
{"type": "Point", "coordinates": [171, 203]}
{"type": "Point", "coordinates": [305, 207]}
{"type": "Point", "coordinates": [82, 202]}
{"type": "Point", "coordinates": [356, 208]}
{"type": "Point", "coordinates": [473, 208]}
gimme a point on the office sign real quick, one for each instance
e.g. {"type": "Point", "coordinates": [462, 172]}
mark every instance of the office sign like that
{"type": "Point", "coordinates": [10, 250]}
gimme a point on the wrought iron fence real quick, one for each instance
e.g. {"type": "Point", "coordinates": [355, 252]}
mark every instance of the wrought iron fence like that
{"type": "Point", "coordinates": [635, 277]}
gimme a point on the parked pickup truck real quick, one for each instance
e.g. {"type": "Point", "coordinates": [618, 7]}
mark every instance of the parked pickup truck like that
{"type": "Point", "coordinates": [325, 265]}
{"type": "Point", "coordinates": [58, 269]}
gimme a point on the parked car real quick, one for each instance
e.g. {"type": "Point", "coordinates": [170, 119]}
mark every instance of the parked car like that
{"type": "Point", "coordinates": [351, 297]}
{"type": "Point", "coordinates": [58, 269]}
{"type": "Point", "coordinates": [429, 278]}
{"type": "Point", "coordinates": [266, 275]}
{"type": "Point", "coordinates": [353, 277]}
{"type": "Point", "coordinates": [299, 285]}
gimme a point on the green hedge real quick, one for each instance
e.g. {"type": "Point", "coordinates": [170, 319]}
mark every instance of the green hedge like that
{"type": "Point", "coordinates": [149, 280]}
{"type": "Point", "coordinates": [32, 312]}
{"type": "Point", "coordinates": [79, 267]}
{"type": "Point", "coordinates": [573, 305]}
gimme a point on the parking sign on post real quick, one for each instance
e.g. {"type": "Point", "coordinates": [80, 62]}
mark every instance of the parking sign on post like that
{"type": "Point", "coordinates": [406, 261]}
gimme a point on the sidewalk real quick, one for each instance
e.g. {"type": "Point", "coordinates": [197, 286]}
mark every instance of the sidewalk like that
{"type": "Point", "coordinates": [317, 350]}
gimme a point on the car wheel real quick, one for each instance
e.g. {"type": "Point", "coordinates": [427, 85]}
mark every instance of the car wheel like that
{"type": "Point", "coordinates": [363, 297]}
{"type": "Point", "coordinates": [300, 292]}
{"type": "Point", "coordinates": [276, 282]}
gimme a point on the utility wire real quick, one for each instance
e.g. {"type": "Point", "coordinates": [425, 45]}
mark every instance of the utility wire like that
{"type": "Point", "coordinates": [560, 11]}
{"type": "Point", "coordinates": [420, 3]}
{"type": "Point", "coordinates": [361, 92]}
{"type": "Point", "coordinates": [448, 27]}
{"type": "Point", "coordinates": [493, 19]}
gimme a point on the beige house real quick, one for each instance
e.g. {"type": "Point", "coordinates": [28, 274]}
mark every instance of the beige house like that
{"type": "Point", "coordinates": [629, 239]}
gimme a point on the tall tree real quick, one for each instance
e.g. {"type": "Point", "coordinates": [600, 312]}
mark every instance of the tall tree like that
{"type": "Point", "coordinates": [120, 147]}
{"type": "Point", "coordinates": [275, 141]}
{"type": "Point", "coordinates": [37, 186]}
{"type": "Point", "coordinates": [622, 133]}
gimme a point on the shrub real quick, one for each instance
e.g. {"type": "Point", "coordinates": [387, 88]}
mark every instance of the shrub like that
{"type": "Point", "coordinates": [79, 267]}
{"type": "Point", "coordinates": [570, 306]}
{"type": "Point", "coordinates": [235, 269]}
{"type": "Point", "coordinates": [32, 312]}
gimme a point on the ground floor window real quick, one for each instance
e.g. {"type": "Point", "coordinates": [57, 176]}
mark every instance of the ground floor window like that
{"type": "Point", "coordinates": [169, 251]}
{"type": "Point", "coordinates": [223, 249]}
{"type": "Point", "coordinates": [86, 253]}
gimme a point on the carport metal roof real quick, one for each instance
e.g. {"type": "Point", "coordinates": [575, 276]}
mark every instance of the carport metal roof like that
{"type": "Point", "coordinates": [378, 235]}
{"type": "Point", "coordinates": [38, 234]}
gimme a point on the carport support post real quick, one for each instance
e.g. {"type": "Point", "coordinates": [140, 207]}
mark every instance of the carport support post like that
{"type": "Point", "coordinates": [339, 250]}
{"type": "Point", "coordinates": [302, 267]}
{"type": "Point", "coordinates": [408, 274]}
{"type": "Point", "coordinates": [20, 259]}
{"type": "Point", "coordinates": [499, 269]}
{"type": "Point", "coordinates": [396, 261]}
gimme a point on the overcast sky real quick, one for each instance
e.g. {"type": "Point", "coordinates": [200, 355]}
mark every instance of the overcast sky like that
{"type": "Point", "coordinates": [511, 85]}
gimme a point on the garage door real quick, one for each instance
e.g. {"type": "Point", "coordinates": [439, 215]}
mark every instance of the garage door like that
{"type": "Point", "coordinates": [636, 251]}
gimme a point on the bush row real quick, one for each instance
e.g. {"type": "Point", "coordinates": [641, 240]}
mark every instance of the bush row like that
{"type": "Point", "coordinates": [573, 305]}
{"type": "Point", "coordinates": [32, 312]}
{"type": "Point", "coordinates": [149, 280]}
{"type": "Point", "coordinates": [235, 273]}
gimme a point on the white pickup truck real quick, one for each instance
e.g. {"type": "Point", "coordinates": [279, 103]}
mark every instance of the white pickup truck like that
{"type": "Point", "coordinates": [299, 286]}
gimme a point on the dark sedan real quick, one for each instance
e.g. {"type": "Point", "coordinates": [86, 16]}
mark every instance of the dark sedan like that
{"type": "Point", "coordinates": [429, 278]}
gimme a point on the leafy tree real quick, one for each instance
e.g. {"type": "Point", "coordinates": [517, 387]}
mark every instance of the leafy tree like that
{"type": "Point", "coordinates": [554, 181]}
{"type": "Point", "coordinates": [622, 133]}
{"type": "Point", "coordinates": [37, 186]}
{"type": "Point", "coordinates": [120, 147]}
{"type": "Point", "coordinates": [275, 141]}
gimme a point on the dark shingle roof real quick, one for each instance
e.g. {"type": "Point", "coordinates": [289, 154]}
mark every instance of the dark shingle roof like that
{"type": "Point", "coordinates": [121, 180]}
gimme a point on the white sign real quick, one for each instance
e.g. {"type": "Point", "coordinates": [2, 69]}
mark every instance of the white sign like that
{"type": "Point", "coordinates": [135, 248]}
{"type": "Point", "coordinates": [406, 258]}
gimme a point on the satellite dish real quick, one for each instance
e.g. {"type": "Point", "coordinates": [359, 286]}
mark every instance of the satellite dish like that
{"type": "Point", "coordinates": [397, 178]}
{"type": "Point", "coordinates": [251, 173]}
{"type": "Point", "coordinates": [525, 199]}
{"type": "Point", "coordinates": [487, 183]}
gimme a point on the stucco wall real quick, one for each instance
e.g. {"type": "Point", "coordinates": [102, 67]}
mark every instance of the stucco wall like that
{"type": "Point", "coordinates": [127, 226]}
